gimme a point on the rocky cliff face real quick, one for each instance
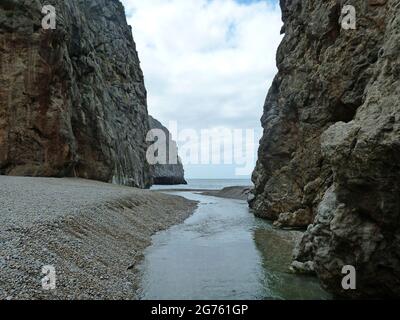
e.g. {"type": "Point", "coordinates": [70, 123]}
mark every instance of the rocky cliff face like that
{"type": "Point", "coordinates": [172, 172]}
{"type": "Point", "coordinates": [72, 100]}
{"type": "Point", "coordinates": [331, 146]}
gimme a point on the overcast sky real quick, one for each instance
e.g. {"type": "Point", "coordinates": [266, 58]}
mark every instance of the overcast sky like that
{"type": "Point", "coordinates": [207, 63]}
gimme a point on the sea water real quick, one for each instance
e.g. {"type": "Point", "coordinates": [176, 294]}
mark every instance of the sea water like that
{"type": "Point", "coordinates": [207, 184]}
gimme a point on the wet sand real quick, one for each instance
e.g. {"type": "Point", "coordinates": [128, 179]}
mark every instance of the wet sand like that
{"type": "Point", "coordinates": [239, 193]}
{"type": "Point", "coordinates": [234, 192]}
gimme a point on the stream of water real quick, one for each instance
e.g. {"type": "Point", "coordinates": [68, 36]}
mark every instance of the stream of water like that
{"type": "Point", "coordinates": [223, 252]}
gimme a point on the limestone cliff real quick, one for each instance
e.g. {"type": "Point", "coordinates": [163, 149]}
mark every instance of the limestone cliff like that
{"type": "Point", "coordinates": [72, 100]}
{"type": "Point", "coordinates": [331, 146]}
{"type": "Point", "coordinates": [172, 171]}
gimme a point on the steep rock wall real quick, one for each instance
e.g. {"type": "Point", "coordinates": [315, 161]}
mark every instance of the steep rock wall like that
{"type": "Point", "coordinates": [331, 145]}
{"type": "Point", "coordinates": [72, 100]}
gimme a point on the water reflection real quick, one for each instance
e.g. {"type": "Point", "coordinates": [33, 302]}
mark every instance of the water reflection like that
{"type": "Point", "coordinates": [222, 252]}
{"type": "Point", "coordinates": [276, 247]}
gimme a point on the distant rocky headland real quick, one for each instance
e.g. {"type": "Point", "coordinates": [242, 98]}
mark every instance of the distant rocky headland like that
{"type": "Point", "coordinates": [329, 157]}
{"type": "Point", "coordinates": [73, 100]}
{"type": "Point", "coordinates": [171, 172]}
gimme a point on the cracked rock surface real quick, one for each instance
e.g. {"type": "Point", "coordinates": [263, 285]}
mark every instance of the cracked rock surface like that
{"type": "Point", "coordinates": [72, 100]}
{"type": "Point", "coordinates": [329, 157]}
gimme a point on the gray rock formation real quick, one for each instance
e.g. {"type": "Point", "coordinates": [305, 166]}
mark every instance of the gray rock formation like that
{"type": "Point", "coordinates": [331, 146]}
{"type": "Point", "coordinates": [72, 100]}
{"type": "Point", "coordinates": [171, 172]}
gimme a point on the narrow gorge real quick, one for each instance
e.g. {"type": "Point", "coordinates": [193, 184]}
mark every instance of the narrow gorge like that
{"type": "Point", "coordinates": [74, 108]}
{"type": "Point", "coordinates": [329, 156]}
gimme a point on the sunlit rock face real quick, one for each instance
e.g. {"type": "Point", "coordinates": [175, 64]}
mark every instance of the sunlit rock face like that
{"type": "Point", "coordinates": [170, 172]}
{"type": "Point", "coordinates": [72, 100]}
{"type": "Point", "coordinates": [329, 157]}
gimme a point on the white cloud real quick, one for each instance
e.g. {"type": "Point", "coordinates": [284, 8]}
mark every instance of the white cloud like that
{"type": "Point", "coordinates": [207, 63]}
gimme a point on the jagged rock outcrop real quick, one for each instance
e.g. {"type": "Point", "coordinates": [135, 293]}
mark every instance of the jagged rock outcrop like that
{"type": "Point", "coordinates": [172, 171]}
{"type": "Point", "coordinates": [72, 100]}
{"type": "Point", "coordinates": [331, 146]}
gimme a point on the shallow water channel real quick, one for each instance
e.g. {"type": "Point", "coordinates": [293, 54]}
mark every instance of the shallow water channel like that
{"type": "Point", "coordinates": [223, 252]}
